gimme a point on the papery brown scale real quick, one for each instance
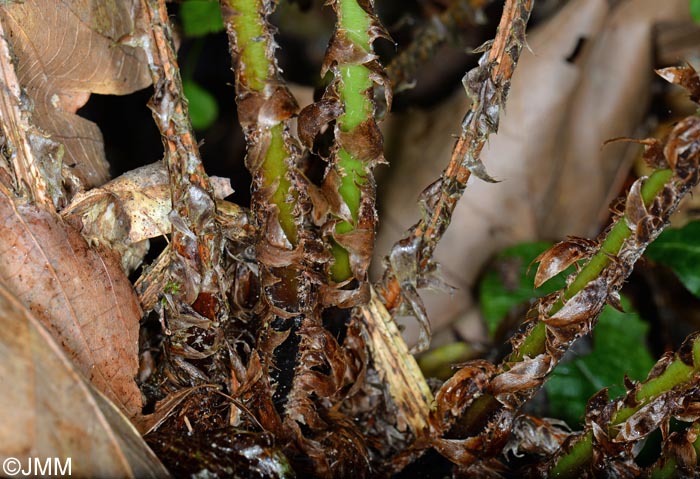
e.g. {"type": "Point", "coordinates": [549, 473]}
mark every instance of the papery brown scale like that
{"type": "Point", "coordinates": [342, 50]}
{"type": "Point", "coordinates": [689, 410]}
{"type": "Point", "coordinates": [336, 203]}
{"type": "Point", "coordinates": [583, 307]}
{"type": "Point", "coordinates": [459, 451]}
{"type": "Point", "coordinates": [635, 209]}
{"type": "Point", "coordinates": [559, 257]}
{"type": "Point", "coordinates": [520, 377]}
{"type": "Point", "coordinates": [358, 243]}
{"type": "Point", "coordinates": [275, 257]}
{"type": "Point", "coordinates": [364, 142]}
{"type": "Point", "coordinates": [614, 301]}
{"type": "Point", "coordinates": [315, 117]}
{"type": "Point", "coordinates": [277, 108]}
{"type": "Point", "coordinates": [647, 229]}
{"type": "Point", "coordinates": [648, 418]}
{"type": "Point", "coordinates": [682, 147]}
{"type": "Point", "coordinates": [683, 450]}
{"type": "Point", "coordinates": [343, 298]}
{"type": "Point", "coordinates": [532, 435]}
{"type": "Point", "coordinates": [459, 391]}
{"type": "Point", "coordinates": [684, 76]}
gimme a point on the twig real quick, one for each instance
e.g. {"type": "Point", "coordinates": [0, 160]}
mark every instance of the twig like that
{"type": "Point", "coordinates": [196, 238]}
{"type": "Point", "coordinates": [410, 260]}
{"type": "Point", "coordinates": [557, 320]}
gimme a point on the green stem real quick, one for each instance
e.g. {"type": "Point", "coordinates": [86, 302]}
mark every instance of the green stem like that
{"type": "Point", "coordinates": [355, 88]}
{"type": "Point", "coordinates": [535, 342]}
{"type": "Point", "coordinates": [571, 464]}
{"type": "Point", "coordinates": [250, 33]}
{"type": "Point", "coordinates": [259, 69]}
{"type": "Point", "coordinates": [676, 374]}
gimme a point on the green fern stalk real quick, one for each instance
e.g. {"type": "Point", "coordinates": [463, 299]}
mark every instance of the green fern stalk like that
{"type": "Point", "coordinates": [355, 89]}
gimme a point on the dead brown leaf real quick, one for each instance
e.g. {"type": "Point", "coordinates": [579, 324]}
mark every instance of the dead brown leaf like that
{"type": "Point", "coordinates": [50, 411]}
{"type": "Point", "coordinates": [80, 295]}
{"type": "Point", "coordinates": [65, 51]}
{"type": "Point", "coordinates": [556, 178]}
{"type": "Point", "coordinates": [128, 210]}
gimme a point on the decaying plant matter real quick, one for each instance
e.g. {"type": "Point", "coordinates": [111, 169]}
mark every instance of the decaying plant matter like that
{"type": "Point", "coordinates": [264, 351]}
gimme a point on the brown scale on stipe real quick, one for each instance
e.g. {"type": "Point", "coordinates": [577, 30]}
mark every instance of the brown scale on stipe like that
{"type": "Point", "coordinates": [562, 255]}
{"type": "Point", "coordinates": [300, 372]}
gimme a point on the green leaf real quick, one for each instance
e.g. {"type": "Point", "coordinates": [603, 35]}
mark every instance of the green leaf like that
{"type": "Point", "coordinates": [202, 105]}
{"type": "Point", "coordinates": [201, 17]}
{"type": "Point", "coordinates": [679, 249]}
{"type": "Point", "coordinates": [619, 348]}
{"type": "Point", "coordinates": [496, 297]}
{"type": "Point", "coordinates": [694, 6]}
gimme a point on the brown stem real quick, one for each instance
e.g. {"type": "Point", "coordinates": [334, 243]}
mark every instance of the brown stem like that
{"type": "Point", "coordinates": [411, 258]}
{"type": "Point", "coordinates": [196, 238]}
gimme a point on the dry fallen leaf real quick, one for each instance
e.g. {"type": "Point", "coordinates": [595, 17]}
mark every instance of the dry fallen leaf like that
{"type": "Point", "coordinates": [51, 412]}
{"type": "Point", "coordinates": [66, 50]}
{"type": "Point", "coordinates": [588, 65]}
{"type": "Point", "coordinates": [80, 295]}
{"type": "Point", "coordinates": [128, 210]}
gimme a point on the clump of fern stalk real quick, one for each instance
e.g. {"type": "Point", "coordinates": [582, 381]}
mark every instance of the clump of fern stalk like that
{"type": "Point", "coordinates": [557, 320]}
{"type": "Point", "coordinates": [311, 373]}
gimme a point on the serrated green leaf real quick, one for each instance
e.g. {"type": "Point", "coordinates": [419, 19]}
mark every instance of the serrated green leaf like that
{"type": "Point", "coordinates": [679, 249]}
{"type": "Point", "coordinates": [496, 298]}
{"type": "Point", "coordinates": [694, 6]}
{"type": "Point", "coordinates": [202, 105]}
{"type": "Point", "coordinates": [619, 348]}
{"type": "Point", "coordinates": [201, 17]}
